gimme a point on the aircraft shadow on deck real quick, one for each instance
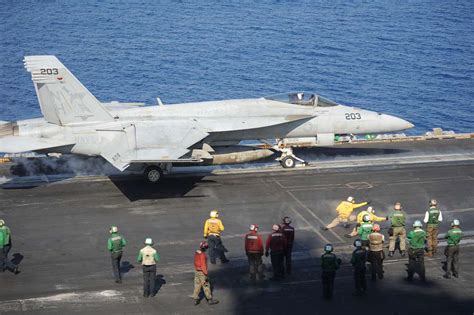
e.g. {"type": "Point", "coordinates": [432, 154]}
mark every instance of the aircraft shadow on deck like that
{"type": "Point", "coordinates": [171, 187]}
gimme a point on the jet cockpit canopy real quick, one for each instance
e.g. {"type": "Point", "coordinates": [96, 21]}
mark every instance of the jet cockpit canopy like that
{"type": "Point", "coordinates": [302, 98]}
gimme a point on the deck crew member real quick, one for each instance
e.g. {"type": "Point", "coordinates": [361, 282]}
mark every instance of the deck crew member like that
{"type": "Point", "coordinates": [452, 250]}
{"type": "Point", "coordinates": [201, 275]}
{"type": "Point", "coordinates": [254, 251]}
{"type": "Point", "coordinates": [289, 233]}
{"type": "Point", "coordinates": [115, 245]}
{"type": "Point", "coordinates": [376, 254]}
{"type": "Point", "coordinates": [364, 231]}
{"type": "Point", "coordinates": [398, 221]}
{"type": "Point", "coordinates": [358, 260]}
{"type": "Point", "coordinates": [360, 219]}
{"type": "Point", "coordinates": [344, 212]}
{"type": "Point", "coordinates": [148, 257]}
{"type": "Point", "coordinates": [276, 246]}
{"type": "Point", "coordinates": [213, 228]}
{"type": "Point", "coordinates": [433, 217]}
{"type": "Point", "coordinates": [416, 255]}
{"type": "Point", "coordinates": [329, 264]}
{"type": "Point", "coordinates": [5, 247]}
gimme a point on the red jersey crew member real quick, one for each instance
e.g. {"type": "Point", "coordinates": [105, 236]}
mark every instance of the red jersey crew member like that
{"type": "Point", "coordinates": [201, 276]}
{"type": "Point", "coordinates": [213, 228]}
{"type": "Point", "coordinates": [289, 233]}
{"type": "Point", "coordinates": [344, 213]}
{"type": "Point", "coordinates": [254, 251]}
{"type": "Point", "coordinates": [276, 245]}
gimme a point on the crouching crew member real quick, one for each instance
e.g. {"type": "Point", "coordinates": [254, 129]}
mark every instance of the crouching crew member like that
{"type": "Point", "coordinates": [452, 250]}
{"type": "Point", "coordinates": [358, 260]}
{"type": "Point", "coordinates": [289, 233]}
{"type": "Point", "coordinates": [115, 245]}
{"type": "Point", "coordinates": [201, 276]}
{"type": "Point", "coordinates": [276, 245]}
{"type": "Point", "coordinates": [148, 257]}
{"type": "Point", "coordinates": [329, 264]}
{"type": "Point", "coordinates": [344, 213]}
{"type": "Point", "coordinates": [416, 252]}
{"type": "Point", "coordinates": [433, 218]}
{"type": "Point", "coordinates": [360, 220]}
{"type": "Point", "coordinates": [254, 251]}
{"type": "Point", "coordinates": [376, 254]}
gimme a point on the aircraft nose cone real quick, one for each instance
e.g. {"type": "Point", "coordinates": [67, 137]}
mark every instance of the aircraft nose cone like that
{"type": "Point", "coordinates": [396, 124]}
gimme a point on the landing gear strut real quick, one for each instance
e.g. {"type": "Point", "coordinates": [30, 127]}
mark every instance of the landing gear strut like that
{"type": "Point", "coordinates": [287, 158]}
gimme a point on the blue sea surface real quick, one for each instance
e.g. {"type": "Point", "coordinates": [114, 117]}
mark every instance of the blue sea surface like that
{"type": "Point", "coordinates": [413, 59]}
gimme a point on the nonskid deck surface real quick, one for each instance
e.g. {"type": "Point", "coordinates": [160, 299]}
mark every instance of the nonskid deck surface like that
{"type": "Point", "coordinates": [60, 231]}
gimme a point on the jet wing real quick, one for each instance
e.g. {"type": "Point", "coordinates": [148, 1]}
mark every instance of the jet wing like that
{"type": "Point", "coordinates": [18, 144]}
{"type": "Point", "coordinates": [151, 142]}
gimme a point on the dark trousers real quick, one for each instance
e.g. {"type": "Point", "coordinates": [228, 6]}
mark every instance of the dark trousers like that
{"type": "Point", "coordinates": [255, 265]}
{"type": "Point", "coordinates": [376, 264]}
{"type": "Point", "coordinates": [116, 258]}
{"type": "Point", "coordinates": [149, 278]}
{"type": "Point", "coordinates": [416, 263]}
{"type": "Point", "coordinates": [277, 259]}
{"type": "Point", "coordinates": [452, 260]}
{"type": "Point", "coordinates": [360, 280]}
{"type": "Point", "coordinates": [287, 258]}
{"type": "Point", "coordinates": [327, 278]}
{"type": "Point", "coordinates": [5, 263]}
{"type": "Point", "coordinates": [216, 248]}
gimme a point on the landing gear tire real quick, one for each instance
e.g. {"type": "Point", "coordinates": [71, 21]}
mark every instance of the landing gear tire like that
{"type": "Point", "coordinates": [153, 174]}
{"type": "Point", "coordinates": [288, 162]}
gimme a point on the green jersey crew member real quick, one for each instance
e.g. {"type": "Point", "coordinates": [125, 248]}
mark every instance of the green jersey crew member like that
{"type": "Point", "coordinates": [452, 250]}
{"type": "Point", "coordinates": [416, 252]}
{"type": "Point", "coordinates": [115, 245]}
{"type": "Point", "coordinates": [5, 247]}
{"type": "Point", "coordinates": [364, 231]}
{"type": "Point", "coordinates": [433, 217]}
{"type": "Point", "coordinates": [397, 230]}
{"type": "Point", "coordinates": [148, 257]}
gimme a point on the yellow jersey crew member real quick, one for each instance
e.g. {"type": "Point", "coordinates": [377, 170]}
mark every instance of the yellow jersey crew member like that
{"type": "Point", "coordinates": [360, 219]}
{"type": "Point", "coordinates": [344, 213]}
{"type": "Point", "coordinates": [115, 245]}
{"type": "Point", "coordinates": [148, 257]}
{"type": "Point", "coordinates": [213, 228]}
{"type": "Point", "coordinates": [433, 217]}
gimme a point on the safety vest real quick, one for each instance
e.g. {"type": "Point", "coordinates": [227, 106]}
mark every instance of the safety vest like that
{"type": "Point", "coordinates": [375, 242]}
{"type": "Point", "coordinates": [433, 215]}
{"type": "Point", "coordinates": [364, 230]}
{"type": "Point", "coordinates": [214, 226]}
{"type": "Point", "coordinates": [117, 244]}
{"type": "Point", "coordinates": [6, 234]}
{"type": "Point", "coordinates": [253, 243]}
{"type": "Point", "coordinates": [329, 262]}
{"type": "Point", "coordinates": [148, 256]}
{"type": "Point", "coordinates": [417, 238]}
{"type": "Point", "coordinates": [277, 242]}
{"type": "Point", "coordinates": [398, 218]}
{"type": "Point", "coordinates": [454, 236]}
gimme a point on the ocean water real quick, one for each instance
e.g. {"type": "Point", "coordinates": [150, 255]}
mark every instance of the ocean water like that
{"type": "Point", "coordinates": [413, 59]}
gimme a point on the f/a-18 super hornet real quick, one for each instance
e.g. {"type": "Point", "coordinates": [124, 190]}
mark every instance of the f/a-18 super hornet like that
{"type": "Point", "coordinates": [153, 138]}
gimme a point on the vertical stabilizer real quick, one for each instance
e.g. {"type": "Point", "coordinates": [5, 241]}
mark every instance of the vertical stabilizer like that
{"type": "Point", "coordinates": [62, 98]}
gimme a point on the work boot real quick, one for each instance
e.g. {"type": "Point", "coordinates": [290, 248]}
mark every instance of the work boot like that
{"type": "Point", "coordinates": [118, 281]}
{"type": "Point", "coordinates": [447, 276]}
{"type": "Point", "coordinates": [402, 253]}
{"type": "Point", "coordinates": [429, 254]}
{"type": "Point", "coordinates": [390, 254]}
{"type": "Point", "coordinates": [213, 262]}
{"type": "Point", "coordinates": [16, 271]}
{"type": "Point", "coordinates": [212, 301]}
{"type": "Point", "coordinates": [225, 261]}
{"type": "Point", "coordinates": [348, 235]}
{"type": "Point", "coordinates": [324, 228]}
{"type": "Point", "coordinates": [455, 275]}
{"type": "Point", "coordinates": [197, 301]}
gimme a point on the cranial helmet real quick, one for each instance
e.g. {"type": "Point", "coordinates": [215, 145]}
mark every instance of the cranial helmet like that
{"type": "Point", "coordinates": [397, 206]}
{"type": "Point", "coordinates": [275, 227]}
{"type": "Point", "coordinates": [203, 245]}
{"type": "Point", "coordinates": [253, 227]}
{"type": "Point", "coordinates": [455, 222]}
{"type": "Point", "coordinates": [357, 243]}
{"type": "Point", "coordinates": [417, 223]}
{"type": "Point", "coordinates": [286, 220]}
{"type": "Point", "coordinates": [113, 229]}
{"type": "Point", "coordinates": [433, 202]}
{"type": "Point", "coordinates": [366, 218]}
{"type": "Point", "coordinates": [350, 199]}
{"type": "Point", "coordinates": [148, 241]}
{"type": "Point", "coordinates": [376, 228]}
{"type": "Point", "coordinates": [2, 223]}
{"type": "Point", "coordinates": [370, 209]}
{"type": "Point", "coordinates": [214, 214]}
{"type": "Point", "coordinates": [328, 248]}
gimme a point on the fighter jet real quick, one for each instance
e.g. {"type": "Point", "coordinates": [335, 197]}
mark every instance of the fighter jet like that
{"type": "Point", "coordinates": [154, 138]}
